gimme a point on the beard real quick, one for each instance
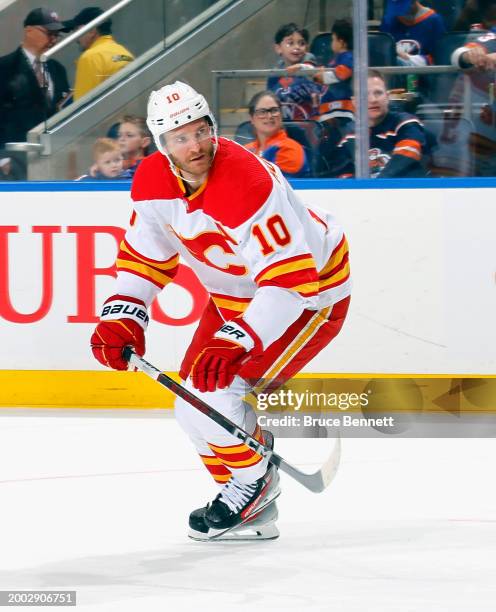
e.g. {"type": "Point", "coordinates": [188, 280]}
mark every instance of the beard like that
{"type": "Point", "coordinates": [189, 166]}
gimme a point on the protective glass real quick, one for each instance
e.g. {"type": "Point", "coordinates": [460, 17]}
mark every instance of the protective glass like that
{"type": "Point", "coordinates": [175, 141]}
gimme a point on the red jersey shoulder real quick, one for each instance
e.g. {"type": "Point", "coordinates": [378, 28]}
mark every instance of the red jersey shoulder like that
{"type": "Point", "coordinates": [154, 180]}
{"type": "Point", "coordinates": [239, 184]}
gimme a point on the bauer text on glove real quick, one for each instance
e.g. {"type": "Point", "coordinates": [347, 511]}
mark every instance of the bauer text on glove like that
{"type": "Point", "coordinates": [123, 323]}
{"type": "Point", "coordinates": [223, 356]}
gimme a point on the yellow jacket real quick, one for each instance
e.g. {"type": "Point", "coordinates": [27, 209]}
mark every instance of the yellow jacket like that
{"type": "Point", "coordinates": [102, 59]}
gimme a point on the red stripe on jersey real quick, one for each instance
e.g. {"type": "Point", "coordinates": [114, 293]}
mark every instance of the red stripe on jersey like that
{"type": "Point", "coordinates": [336, 268]}
{"type": "Point", "coordinates": [149, 260]}
{"type": "Point", "coordinates": [126, 298]}
{"type": "Point", "coordinates": [317, 218]}
{"type": "Point", "coordinates": [148, 278]}
{"type": "Point", "coordinates": [289, 260]}
{"type": "Point", "coordinates": [305, 282]}
{"type": "Point", "coordinates": [168, 271]}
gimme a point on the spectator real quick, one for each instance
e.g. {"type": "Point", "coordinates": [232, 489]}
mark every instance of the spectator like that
{"type": "Point", "coordinates": [8, 171]}
{"type": "Point", "coordinates": [108, 163]}
{"type": "Point", "coordinates": [134, 140]}
{"type": "Point", "coordinates": [479, 59]}
{"type": "Point", "coordinates": [335, 101]}
{"type": "Point", "coordinates": [397, 140]}
{"type": "Point", "coordinates": [471, 16]}
{"type": "Point", "coordinates": [272, 143]}
{"type": "Point", "coordinates": [102, 56]}
{"type": "Point", "coordinates": [415, 28]}
{"type": "Point", "coordinates": [299, 95]}
{"type": "Point", "coordinates": [336, 106]}
{"type": "Point", "coordinates": [29, 94]}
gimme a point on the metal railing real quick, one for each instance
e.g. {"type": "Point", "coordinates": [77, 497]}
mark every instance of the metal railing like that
{"type": "Point", "coordinates": [86, 28]}
{"type": "Point", "coordinates": [219, 75]}
{"type": "Point", "coordinates": [361, 152]}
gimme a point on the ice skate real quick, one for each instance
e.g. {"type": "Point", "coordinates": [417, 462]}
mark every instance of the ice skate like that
{"type": "Point", "coordinates": [258, 524]}
{"type": "Point", "coordinates": [238, 502]}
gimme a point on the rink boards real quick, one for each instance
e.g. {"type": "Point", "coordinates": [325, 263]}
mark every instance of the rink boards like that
{"type": "Point", "coordinates": [423, 264]}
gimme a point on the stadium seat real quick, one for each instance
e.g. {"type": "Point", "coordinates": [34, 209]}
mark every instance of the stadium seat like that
{"type": "Point", "coordinates": [450, 153]}
{"type": "Point", "coordinates": [308, 133]}
{"type": "Point", "coordinates": [382, 48]}
{"type": "Point", "coordinates": [321, 48]}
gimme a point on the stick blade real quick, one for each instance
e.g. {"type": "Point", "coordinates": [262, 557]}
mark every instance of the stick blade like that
{"type": "Point", "coordinates": [322, 478]}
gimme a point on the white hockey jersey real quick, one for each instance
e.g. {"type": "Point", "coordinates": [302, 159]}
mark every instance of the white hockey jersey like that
{"type": "Point", "coordinates": [258, 250]}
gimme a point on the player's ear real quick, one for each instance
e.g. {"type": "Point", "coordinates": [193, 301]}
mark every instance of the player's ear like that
{"type": "Point", "coordinates": [146, 141]}
{"type": "Point", "coordinates": [277, 49]}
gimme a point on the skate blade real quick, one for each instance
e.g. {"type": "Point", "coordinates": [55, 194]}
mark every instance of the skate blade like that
{"type": "Point", "coordinates": [240, 533]}
{"type": "Point", "coordinates": [216, 534]}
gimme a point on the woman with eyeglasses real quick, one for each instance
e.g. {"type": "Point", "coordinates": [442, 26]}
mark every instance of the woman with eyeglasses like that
{"type": "Point", "coordinates": [271, 141]}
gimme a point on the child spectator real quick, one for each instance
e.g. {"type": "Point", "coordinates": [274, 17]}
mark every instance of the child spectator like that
{"type": "Point", "coordinates": [397, 140]}
{"type": "Point", "coordinates": [415, 28]}
{"type": "Point", "coordinates": [107, 162]}
{"type": "Point", "coordinates": [272, 143]}
{"type": "Point", "coordinates": [335, 101]}
{"type": "Point", "coordinates": [299, 95]}
{"type": "Point", "coordinates": [134, 141]}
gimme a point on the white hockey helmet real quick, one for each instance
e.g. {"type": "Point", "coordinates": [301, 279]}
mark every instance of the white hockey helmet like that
{"type": "Point", "coordinates": [173, 106]}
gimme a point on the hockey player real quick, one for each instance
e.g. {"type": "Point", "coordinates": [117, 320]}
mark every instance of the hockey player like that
{"type": "Point", "coordinates": [278, 277]}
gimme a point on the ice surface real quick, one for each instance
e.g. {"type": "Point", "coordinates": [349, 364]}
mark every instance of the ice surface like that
{"type": "Point", "coordinates": [98, 503]}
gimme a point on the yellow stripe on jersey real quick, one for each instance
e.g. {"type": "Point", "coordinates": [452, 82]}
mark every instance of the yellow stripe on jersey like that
{"type": "Point", "coordinates": [169, 264]}
{"type": "Point", "coordinates": [143, 270]}
{"type": "Point", "coordinates": [230, 304]}
{"type": "Point", "coordinates": [229, 450]}
{"type": "Point", "coordinates": [222, 478]}
{"type": "Point", "coordinates": [254, 459]}
{"type": "Point", "coordinates": [307, 288]}
{"type": "Point", "coordinates": [335, 278]}
{"type": "Point", "coordinates": [210, 460]}
{"type": "Point", "coordinates": [314, 324]}
{"type": "Point", "coordinates": [335, 259]}
{"type": "Point", "coordinates": [286, 268]}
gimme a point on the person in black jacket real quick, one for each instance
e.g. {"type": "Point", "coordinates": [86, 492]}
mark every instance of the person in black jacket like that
{"type": "Point", "coordinates": [398, 142]}
{"type": "Point", "coordinates": [29, 94]}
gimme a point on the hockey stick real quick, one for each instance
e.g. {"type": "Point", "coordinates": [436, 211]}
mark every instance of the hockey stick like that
{"type": "Point", "coordinates": [316, 482]}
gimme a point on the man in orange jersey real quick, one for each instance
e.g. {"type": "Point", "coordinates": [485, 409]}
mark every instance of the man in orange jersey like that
{"type": "Point", "coordinates": [258, 250]}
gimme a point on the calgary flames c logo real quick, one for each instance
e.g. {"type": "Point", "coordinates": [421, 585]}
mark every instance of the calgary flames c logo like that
{"type": "Point", "coordinates": [214, 250]}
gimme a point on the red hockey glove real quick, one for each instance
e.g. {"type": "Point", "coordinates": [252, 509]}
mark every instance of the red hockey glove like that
{"type": "Point", "coordinates": [123, 323]}
{"type": "Point", "coordinates": [222, 357]}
